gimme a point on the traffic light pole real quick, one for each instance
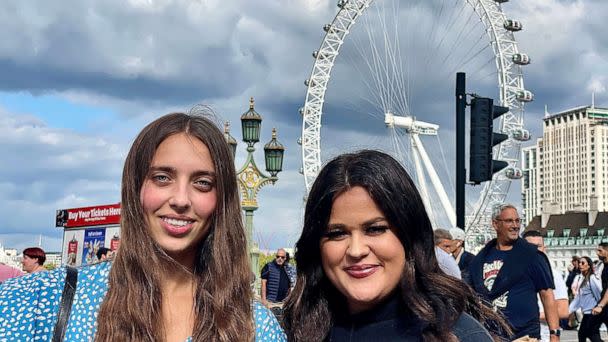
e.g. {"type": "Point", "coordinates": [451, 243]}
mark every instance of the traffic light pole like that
{"type": "Point", "coordinates": [461, 103]}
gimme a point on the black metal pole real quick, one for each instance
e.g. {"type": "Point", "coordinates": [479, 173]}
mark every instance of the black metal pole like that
{"type": "Point", "coordinates": [461, 102]}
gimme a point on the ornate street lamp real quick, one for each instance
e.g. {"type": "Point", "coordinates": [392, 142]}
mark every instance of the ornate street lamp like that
{"type": "Point", "coordinates": [273, 153]}
{"type": "Point", "coordinates": [250, 178]}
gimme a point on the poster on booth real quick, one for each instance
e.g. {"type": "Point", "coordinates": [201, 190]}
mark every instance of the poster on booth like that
{"type": "Point", "coordinates": [94, 238]}
{"type": "Point", "coordinates": [113, 238]}
{"type": "Point", "coordinates": [73, 247]}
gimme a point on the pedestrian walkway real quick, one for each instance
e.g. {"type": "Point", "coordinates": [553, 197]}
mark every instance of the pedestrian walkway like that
{"type": "Point", "coordinates": [570, 336]}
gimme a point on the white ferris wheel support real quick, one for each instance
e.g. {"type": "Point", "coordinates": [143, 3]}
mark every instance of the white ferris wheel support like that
{"type": "Point", "coordinates": [510, 82]}
{"type": "Point", "coordinates": [415, 128]}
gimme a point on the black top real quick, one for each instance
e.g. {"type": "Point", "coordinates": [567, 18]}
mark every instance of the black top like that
{"type": "Point", "coordinates": [604, 280]}
{"type": "Point", "coordinates": [390, 322]}
{"type": "Point", "coordinates": [571, 275]}
{"type": "Point", "coordinates": [465, 260]}
{"type": "Point", "coordinates": [463, 264]}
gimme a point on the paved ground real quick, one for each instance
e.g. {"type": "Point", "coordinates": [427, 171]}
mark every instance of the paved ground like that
{"type": "Point", "coordinates": [570, 336]}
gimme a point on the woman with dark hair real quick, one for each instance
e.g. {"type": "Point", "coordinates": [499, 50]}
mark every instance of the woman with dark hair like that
{"type": "Point", "coordinates": [33, 260]}
{"type": "Point", "coordinates": [366, 262]}
{"type": "Point", "coordinates": [182, 271]}
{"type": "Point", "coordinates": [589, 294]}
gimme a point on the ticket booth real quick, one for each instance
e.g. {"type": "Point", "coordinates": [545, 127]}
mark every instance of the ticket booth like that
{"type": "Point", "coordinates": [87, 229]}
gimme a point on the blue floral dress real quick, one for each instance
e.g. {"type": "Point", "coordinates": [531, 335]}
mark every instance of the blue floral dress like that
{"type": "Point", "coordinates": [29, 307]}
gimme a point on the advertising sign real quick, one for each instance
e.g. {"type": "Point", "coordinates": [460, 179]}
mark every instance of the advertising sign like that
{"type": "Point", "coordinates": [93, 239]}
{"type": "Point", "coordinates": [88, 216]}
{"type": "Point", "coordinates": [80, 245]}
{"type": "Point", "coordinates": [72, 247]}
{"type": "Point", "coordinates": [113, 238]}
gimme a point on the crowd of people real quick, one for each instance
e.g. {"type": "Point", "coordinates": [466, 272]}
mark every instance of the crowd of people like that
{"type": "Point", "coordinates": [369, 264]}
{"type": "Point", "coordinates": [572, 301]}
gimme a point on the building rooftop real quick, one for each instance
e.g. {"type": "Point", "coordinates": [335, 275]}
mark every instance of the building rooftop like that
{"type": "Point", "coordinates": [571, 111]}
{"type": "Point", "coordinates": [573, 221]}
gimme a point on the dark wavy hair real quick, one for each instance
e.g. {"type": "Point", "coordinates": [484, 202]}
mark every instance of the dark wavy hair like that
{"type": "Point", "coordinates": [132, 308]}
{"type": "Point", "coordinates": [435, 298]}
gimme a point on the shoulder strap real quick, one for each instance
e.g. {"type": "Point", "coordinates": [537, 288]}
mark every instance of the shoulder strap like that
{"type": "Point", "coordinates": [67, 297]}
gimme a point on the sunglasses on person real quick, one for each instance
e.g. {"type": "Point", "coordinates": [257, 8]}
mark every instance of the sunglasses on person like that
{"type": "Point", "coordinates": [281, 257]}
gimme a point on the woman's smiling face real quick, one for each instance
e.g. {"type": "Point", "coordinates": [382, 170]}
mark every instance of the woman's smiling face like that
{"type": "Point", "coordinates": [360, 252]}
{"type": "Point", "coordinates": [179, 196]}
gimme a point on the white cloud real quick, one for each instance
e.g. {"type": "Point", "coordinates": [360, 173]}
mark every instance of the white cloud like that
{"type": "Point", "coordinates": [52, 169]}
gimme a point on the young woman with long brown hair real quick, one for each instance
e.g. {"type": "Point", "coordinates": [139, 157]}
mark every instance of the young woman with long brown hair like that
{"type": "Point", "coordinates": [589, 294]}
{"type": "Point", "coordinates": [182, 270]}
{"type": "Point", "coordinates": [367, 269]}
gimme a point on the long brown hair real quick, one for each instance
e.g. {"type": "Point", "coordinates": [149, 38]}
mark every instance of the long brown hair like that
{"type": "Point", "coordinates": [131, 310]}
{"type": "Point", "coordinates": [434, 298]}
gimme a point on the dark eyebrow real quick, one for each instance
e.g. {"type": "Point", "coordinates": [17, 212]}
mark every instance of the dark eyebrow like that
{"type": "Point", "coordinates": [333, 226]}
{"type": "Point", "coordinates": [365, 224]}
{"type": "Point", "coordinates": [172, 170]}
{"type": "Point", "coordinates": [374, 220]}
{"type": "Point", "coordinates": [166, 169]}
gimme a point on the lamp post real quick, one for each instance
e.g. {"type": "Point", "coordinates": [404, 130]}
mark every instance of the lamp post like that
{"type": "Point", "coordinates": [249, 177]}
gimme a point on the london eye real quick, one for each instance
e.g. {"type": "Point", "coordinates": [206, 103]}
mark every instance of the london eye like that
{"type": "Point", "coordinates": [383, 77]}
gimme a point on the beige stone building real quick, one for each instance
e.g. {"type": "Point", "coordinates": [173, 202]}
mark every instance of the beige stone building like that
{"type": "Point", "coordinates": [568, 166]}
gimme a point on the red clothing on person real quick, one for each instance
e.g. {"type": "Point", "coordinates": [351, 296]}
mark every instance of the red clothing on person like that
{"type": "Point", "coordinates": [7, 272]}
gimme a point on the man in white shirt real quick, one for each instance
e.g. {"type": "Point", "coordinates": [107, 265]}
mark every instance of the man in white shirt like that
{"type": "Point", "coordinates": [560, 293]}
{"type": "Point", "coordinates": [463, 258]}
{"type": "Point", "coordinates": [443, 251]}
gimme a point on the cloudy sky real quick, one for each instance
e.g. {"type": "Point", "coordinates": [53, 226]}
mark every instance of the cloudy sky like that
{"type": "Point", "coordinates": [79, 79]}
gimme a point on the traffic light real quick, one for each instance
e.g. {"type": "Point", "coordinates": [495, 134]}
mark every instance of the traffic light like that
{"type": "Point", "coordinates": [483, 139]}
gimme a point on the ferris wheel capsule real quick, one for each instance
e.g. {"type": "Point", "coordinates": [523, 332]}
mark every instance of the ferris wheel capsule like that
{"type": "Point", "coordinates": [501, 1]}
{"type": "Point", "coordinates": [525, 96]}
{"type": "Point", "coordinates": [521, 134]}
{"type": "Point", "coordinates": [513, 173]}
{"type": "Point", "coordinates": [521, 59]}
{"type": "Point", "coordinates": [342, 3]}
{"type": "Point", "coordinates": [513, 25]}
